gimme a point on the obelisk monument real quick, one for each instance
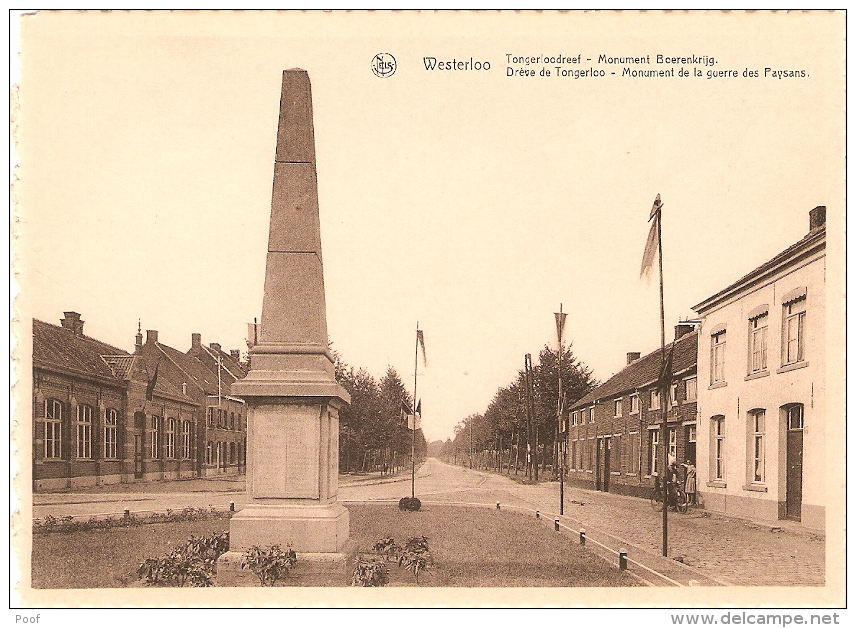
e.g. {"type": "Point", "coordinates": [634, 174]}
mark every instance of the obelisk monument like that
{"type": "Point", "coordinates": [292, 396]}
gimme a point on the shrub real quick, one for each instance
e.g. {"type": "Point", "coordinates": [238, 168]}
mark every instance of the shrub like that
{"type": "Point", "coordinates": [416, 557]}
{"type": "Point", "coordinates": [387, 548]}
{"type": "Point", "coordinates": [370, 572]}
{"type": "Point", "coordinates": [191, 563]}
{"type": "Point", "coordinates": [269, 565]}
{"type": "Point", "coordinates": [409, 503]}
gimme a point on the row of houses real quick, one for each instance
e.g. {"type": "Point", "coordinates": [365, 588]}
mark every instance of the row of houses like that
{"type": "Point", "coordinates": [747, 402]}
{"type": "Point", "coordinates": [102, 415]}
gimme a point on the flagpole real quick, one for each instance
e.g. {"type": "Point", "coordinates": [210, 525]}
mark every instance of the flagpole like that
{"type": "Point", "coordinates": [413, 436]}
{"type": "Point", "coordinates": [664, 433]}
{"type": "Point", "coordinates": [560, 440]}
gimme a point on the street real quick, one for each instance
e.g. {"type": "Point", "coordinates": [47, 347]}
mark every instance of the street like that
{"type": "Point", "coordinates": [710, 549]}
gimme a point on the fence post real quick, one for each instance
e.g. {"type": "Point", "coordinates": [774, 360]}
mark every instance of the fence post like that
{"type": "Point", "coordinates": [622, 559]}
{"type": "Point", "coordinates": [497, 505]}
{"type": "Point", "coordinates": [556, 525]}
{"type": "Point", "coordinates": [127, 513]}
{"type": "Point", "coordinates": [537, 514]}
{"type": "Point", "coordinates": [231, 506]}
{"type": "Point", "coordinates": [582, 536]}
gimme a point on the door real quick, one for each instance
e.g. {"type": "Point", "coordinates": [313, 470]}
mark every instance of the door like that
{"type": "Point", "coordinates": [607, 447]}
{"type": "Point", "coordinates": [598, 458]}
{"type": "Point", "coordinates": [794, 478]}
{"type": "Point", "coordinates": [138, 457]}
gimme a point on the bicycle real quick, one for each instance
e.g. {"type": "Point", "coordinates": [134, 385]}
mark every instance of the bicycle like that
{"type": "Point", "coordinates": [678, 499]}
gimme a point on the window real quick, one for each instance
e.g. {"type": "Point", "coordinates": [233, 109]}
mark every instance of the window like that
{"type": "Point", "coordinates": [718, 433]}
{"type": "Point", "coordinates": [794, 331]}
{"type": "Point", "coordinates": [232, 459]}
{"type": "Point", "coordinates": [633, 447]}
{"type": "Point", "coordinates": [756, 437]}
{"type": "Point", "coordinates": [590, 462]}
{"type": "Point", "coordinates": [655, 400]}
{"type": "Point", "coordinates": [185, 439]}
{"type": "Point", "coordinates": [673, 395]}
{"type": "Point", "coordinates": [617, 410]}
{"type": "Point", "coordinates": [574, 418]}
{"type": "Point", "coordinates": [758, 343]}
{"type": "Point", "coordinates": [240, 422]}
{"type": "Point", "coordinates": [691, 388]}
{"type": "Point", "coordinates": [210, 417]}
{"type": "Point", "coordinates": [653, 445]}
{"type": "Point", "coordinates": [673, 443]}
{"type": "Point", "coordinates": [169, 444]}
{"type": "Point", "coordinates": [209, 452]}
{"type": "Point", "coordinates": [795, 417]}
{"type": "Point", "coordinates": [154, 437]}
{"type": "Point", "coordinates": [111, 426]}
{"type": "Point", "coordinates": [84, 431]}
{"type": "Point", "coordinates": [717, 357]}
{"type": "Point", "coordinates": [634, 404]}
{"type": "Point", "coordinates": [616, 443]}
{"type": "Point", "coordinates": [591, 414]}
{"type": "Point", "coordinates": [219, 417]}
{"type": "Point", "coordinates": [53, 428]}
{"type": "Point", "coordinates": [231, 420]}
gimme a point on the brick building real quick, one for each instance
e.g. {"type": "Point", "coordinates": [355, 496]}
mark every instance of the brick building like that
{"type": "Point", "coordinates": [761, 435]}
{"type": "Point", "coordinates": [613, 441]}
{"type": "Point", "coordinates": [102, 415]}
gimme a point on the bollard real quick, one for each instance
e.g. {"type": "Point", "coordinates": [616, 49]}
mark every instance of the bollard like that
{"type": "Point", "coordinates": [582, 536]}
{"type": "Point", "coordinates": [556, 525]}
{"type": "Point", "coordinates": [497, 505]}
{"type": "Point", "coordinates": [622, 559]}
{"type": "Point", "coordinates": [127, 513]}
{"type": "Point", "coordinates": [231, 506]}
{"type": "Point", "coordinates": [537, 514]}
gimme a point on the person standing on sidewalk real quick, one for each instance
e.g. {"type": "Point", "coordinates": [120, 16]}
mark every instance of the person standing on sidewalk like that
{"type": "Point", "coordinates": [690, 483]}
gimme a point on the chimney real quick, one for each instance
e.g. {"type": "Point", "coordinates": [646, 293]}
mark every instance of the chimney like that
{"type": "Point", "coordinates": [73, 323]}
{"type": "Point", "coordinates": [195, 340]}
{"type": "Point", "coordinates": [632, 356]}
{"type": "Point", "coordinates": [817, 218]}
{"type": "Point", "coordinates": [151, 336]}
{"type": "Point", "coordinates": [682, 329]}
{"type": "Point", "coordinates": [215, 347]}
{"type": "Point", "coordinates": [236, 354]}
{"type": "Point", "coordinates": [138, 345]}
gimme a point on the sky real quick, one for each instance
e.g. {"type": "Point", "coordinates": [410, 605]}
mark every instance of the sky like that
{"type": "Point", "coordinates": [468, 201]}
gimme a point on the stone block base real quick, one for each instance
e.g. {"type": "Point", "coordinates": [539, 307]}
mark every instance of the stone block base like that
{"type": "Point", "coordinates": [305, 528]}
{"type": "Point", "coordinates": [324, 569]}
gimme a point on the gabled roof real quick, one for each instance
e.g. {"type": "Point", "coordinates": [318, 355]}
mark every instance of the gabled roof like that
{"type": "Point", "coordinates": [167, 384]}
{"type": "Point", "coordinates": [231, 370]}
{"type": "Point", "coordinates": [645, 371]}
{"type": "Point", "coordinates": [120, 364]}
{"type": "Point", "coordinates": [197, 373]}
{"type": "Point", "coordinates": [57, 348]}
{"type": "Point", "coordinates": [813, 242]}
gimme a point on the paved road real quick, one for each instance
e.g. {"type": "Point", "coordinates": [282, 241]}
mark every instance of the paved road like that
{"type": "Point", "coordinates": [714, 549]}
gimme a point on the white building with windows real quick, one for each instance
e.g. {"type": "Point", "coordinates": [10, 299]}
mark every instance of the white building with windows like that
{"type": "Point", "coordinates": [761, 383]}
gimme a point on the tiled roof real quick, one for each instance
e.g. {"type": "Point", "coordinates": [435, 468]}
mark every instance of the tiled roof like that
{"type": "Point", "coordinates": [815, 237]}
{"type": "Point", "coordinates": [199, 375]}
{"type": "Point", "coordinates": [59, 348]}
{"type": "Point", "coordinates": [645, 371]}
{"type": "Point", "coordinates": [119, 364]}
{"type": "Point", "coordinates": [231, 369]}
{"type": "Point", "coordinates": [167, 384]}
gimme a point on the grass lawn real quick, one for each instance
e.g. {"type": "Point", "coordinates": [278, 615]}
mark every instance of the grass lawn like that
{"type": "Point", "coordinates": [472, 547]}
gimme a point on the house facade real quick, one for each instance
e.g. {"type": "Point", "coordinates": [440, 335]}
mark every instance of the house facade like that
{"type": "Point", "coordinates": [761, 432]}
{"type": "Point", "coordinates": [614, 432]}
{"type": "Point", "coordinates": [102, 415]}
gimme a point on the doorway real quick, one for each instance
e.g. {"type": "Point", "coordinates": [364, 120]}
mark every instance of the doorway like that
{"type": "Point", "coordinates": [138, 457]}
{"type": "Point", "coordinates": [607, 447]}
{"type": "Point", "coordinates": [794, 462]}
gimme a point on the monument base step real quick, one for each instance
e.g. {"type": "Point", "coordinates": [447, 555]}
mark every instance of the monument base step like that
{"type": "Point", "coordinates": [327, 569]}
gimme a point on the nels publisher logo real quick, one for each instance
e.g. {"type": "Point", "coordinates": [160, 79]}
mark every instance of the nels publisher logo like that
{"type": "Point", "coordinates": [384, 65]}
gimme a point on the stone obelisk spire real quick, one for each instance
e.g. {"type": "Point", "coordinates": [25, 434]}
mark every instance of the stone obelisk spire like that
{"type": "Point", "coordinates": [292, 396]}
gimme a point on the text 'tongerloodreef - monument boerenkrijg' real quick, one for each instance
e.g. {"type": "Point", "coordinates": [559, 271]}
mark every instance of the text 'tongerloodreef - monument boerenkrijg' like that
{"type": "Point", "coordinates": [292, 396]}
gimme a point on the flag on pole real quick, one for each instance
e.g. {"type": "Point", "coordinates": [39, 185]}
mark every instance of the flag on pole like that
{"type": "Point", "coordinates": [405, 412]}
{"type": "Point", "coordinates": [421, 340]}
{"type": "Point", "coordinates": [651, 243]}
{"type": "Point", "coordinates": [560, 324]}
{"type": "Point", "coordinates": [150, 386]}
{"type": "Point", "coordinates": [417, 418]}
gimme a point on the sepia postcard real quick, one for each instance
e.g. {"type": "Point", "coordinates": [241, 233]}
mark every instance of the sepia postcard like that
{"type": "Point", "coordinates": [575, 340]}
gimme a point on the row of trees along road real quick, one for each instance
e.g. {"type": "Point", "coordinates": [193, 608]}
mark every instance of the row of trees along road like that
{"type": "Point", "coordinates": [498, 438]}
{"type": "Point", "coordinates": [372, 430]}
